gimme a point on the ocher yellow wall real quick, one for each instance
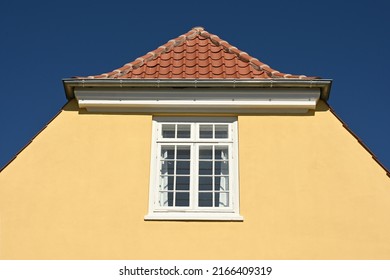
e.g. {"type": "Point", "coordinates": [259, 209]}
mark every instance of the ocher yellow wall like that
{"type": "Point", "coordinates": [80, 191]}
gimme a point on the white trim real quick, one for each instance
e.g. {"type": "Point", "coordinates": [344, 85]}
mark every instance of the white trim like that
{"type": "Point", "coordinates": [234, 160]}
{"type": "Point", "coordinates": [194, 212]}
{"type": "Point", "coordinates": [197, 100]}
{"type": "Point", "coordinates": [203, 119]}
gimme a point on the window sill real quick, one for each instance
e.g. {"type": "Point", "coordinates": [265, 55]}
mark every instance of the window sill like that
{"type": "Point", "coordinates": [193, 217]}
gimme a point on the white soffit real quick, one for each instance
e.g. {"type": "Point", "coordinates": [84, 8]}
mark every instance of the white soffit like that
{"type": "Point", "coordinates": [184, 100]}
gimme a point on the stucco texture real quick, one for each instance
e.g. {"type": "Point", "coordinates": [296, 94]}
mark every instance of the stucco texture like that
{"type": "Point", "coordinates": [308, 190]}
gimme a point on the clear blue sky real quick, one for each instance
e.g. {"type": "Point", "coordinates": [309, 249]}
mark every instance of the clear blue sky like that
{"type": "Point", "coordinates": [42, 42]}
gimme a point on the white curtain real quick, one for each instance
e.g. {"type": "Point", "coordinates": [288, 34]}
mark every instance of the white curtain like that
{"type": "Point", "coordinates": [163, 178]}
{"type": "Point", "coordinates": [224, 179]}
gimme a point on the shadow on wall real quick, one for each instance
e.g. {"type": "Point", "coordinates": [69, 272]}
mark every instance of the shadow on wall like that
{"type": "Point", "coordinates": [72, 105]}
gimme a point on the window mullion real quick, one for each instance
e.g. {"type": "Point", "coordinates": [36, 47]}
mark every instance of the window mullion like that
{"type": "Point", "coordinates": [193, 182]}
{"type": "Point", "coordinates": [174, 176]}
{"type": "Point", "coordinates": [213, 176]}
{"type": "Point", "coordinates": [195, 126]}
{"type": "Point", "coordinates": [194, 175]}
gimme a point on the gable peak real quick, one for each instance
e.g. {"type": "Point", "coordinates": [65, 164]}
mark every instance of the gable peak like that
{"type": "Point", "coordinates": [196, 54]}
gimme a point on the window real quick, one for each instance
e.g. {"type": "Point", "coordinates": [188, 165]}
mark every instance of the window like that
{"type": "Point", "coordinates": [194, 169]}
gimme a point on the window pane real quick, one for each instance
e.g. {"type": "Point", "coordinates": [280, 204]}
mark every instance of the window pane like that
{"type": "Point", "coordinates": [205, 167]}
{"type": "Point", "coordinates": [221, 168]}
{"type": "Point", "coordinates": [222, 152]}
{"type": "Point", "coordinates": [167, 167]}
{"type": "Point", "coordinates": [182, 199]}
{"type": "Point", "coordinates": [183, 152]}
{"type": "Point", "coordinates": [168, 152]}
{"type": "Point", "coordinates": [166, 183]}
{"type": "Point", "coordinates": [168, 131]}
{"type": "Point", "coordinates": [183, 167]}
{"type": "Point", "coordinates": [205, 199]}
{"type": "Point", "coordinates": [221, 131]}
{"type": "Point", "coordinates": [221, 200]}
{"type": "Point", "coordinates": [183, 131]}
{"type": "Point", "coordinates": [205, 183]}
{"type": "Point", "coordinates": [221, 183]}
{"type": "Point", "coordinates": [183, 183]}
{"type": "Point", "coordinates": [170, 199]}
{"type": "Point", "coordinates": [205, 131]}
{"type": "Point", "coordinates": [206, 152]}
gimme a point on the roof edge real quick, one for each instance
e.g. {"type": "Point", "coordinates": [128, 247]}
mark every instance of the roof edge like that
{"type": "Point", "coordinates": [323, 84]}
{"type": "Point", "coordinates": [358, 140]}
{"type": "Point", "coordinates": [33, 138]}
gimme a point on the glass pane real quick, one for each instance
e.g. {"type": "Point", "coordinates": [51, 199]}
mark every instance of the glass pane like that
{"type": "Point", "coordinates": [183, 152]}
{"type": "Point", "coordinates": [168, 131]}
{"type": "Point", "coordinates": [166, 183]}
{"type": "Point", "coordinates": [183, 167]}
{"type": "Point", "coordinates": [183, 131]}
{"type": "Point", "coordinates": [222, 152]}
{"type": "Point", "coordinates": [182, 199]}
{"type": "Point", "coordinates": [221, 168]}
{"type": "Point", "coordinates": [183, 183]}
{"type": "Point", "coordinates": [205, 167]}
{"type": "Point", "coordinates": [221, 131]}
{"type": "Point", "coordinates": [206, 131]}
{"type": "Point", "coordinates": [221, 200]}
{"type": "Point", "coordinates": [168, 152]}
{"type": "Point", "coordinates": [167, 167]}
{"type": "Point", "coordinates": [205, 199]}
{"type": "Point", "coordinates": [221, 183]}
{"type": "Point", "coordinates": [206, 152]}
{"type": "Point", "coordinates": [205, 183]}
{"type": "Point", "coordinates": [166, 199]}
{"type": "Point", "coordinates": [170, 199]}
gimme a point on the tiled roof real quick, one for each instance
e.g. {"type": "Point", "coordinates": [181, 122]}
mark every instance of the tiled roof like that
{"type": "Point", "coordinates": [197, 54]}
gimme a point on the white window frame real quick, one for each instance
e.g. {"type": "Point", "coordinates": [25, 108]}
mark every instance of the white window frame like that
{"type": "Point", "coordinates": [194, 212]}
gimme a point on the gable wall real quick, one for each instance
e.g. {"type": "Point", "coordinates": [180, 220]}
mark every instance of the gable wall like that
{"type": "Point", "coordinates": [308, 190]}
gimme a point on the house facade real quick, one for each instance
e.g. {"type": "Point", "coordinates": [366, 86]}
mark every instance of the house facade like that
{"type": "Point", "coordinates": [195, 151]}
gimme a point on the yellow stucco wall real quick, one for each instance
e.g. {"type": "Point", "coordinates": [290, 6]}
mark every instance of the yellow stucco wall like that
{"type": "Point", "coordinates": [308, 190]}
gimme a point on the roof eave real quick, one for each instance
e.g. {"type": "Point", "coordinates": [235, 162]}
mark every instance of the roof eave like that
{"type": "Point", "coordinates": [323, 84]}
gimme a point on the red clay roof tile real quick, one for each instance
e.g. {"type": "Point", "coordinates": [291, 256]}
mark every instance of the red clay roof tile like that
{"type": "Point", "coordinates": [196, 54]}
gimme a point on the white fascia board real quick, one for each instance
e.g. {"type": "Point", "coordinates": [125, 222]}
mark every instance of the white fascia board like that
{"type": "Point", "coordinates": [174, 104]}
{"type": "Point", "coordinates": [197, 100]}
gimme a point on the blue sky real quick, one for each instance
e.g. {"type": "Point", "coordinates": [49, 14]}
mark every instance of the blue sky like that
{"type": "Point", "coordinates": [42, 42]}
